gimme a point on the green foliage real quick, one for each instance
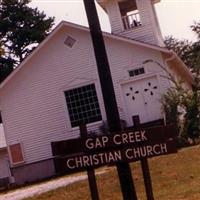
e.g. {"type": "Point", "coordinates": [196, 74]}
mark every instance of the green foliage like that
{"type": "Point", "coordinates": [192, 122]}
{"type": "Point", "coordinates": [170, 102]}
{"type": "Point", "coordinates": [189, 52]}
{"type": "Point", "coordinates": [183, 48]}
{"type": "Point", "coordinates": [182, 108]}
{"type": "Point", "coordinates": [21, 29]}
{"type": "Point", "coordinates": [196, 28]}
{"type": "Point", "coordinates": [1, 51]}
{"type": "Point", "coordinates": [6, 67]}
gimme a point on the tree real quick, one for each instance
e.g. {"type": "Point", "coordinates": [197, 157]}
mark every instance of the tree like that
{"type": "Point", "coordinates": [170, 103]}
{"type": "Point", "coordinates": [183, 48]}
{"type": "Point", "coordinates": [22, 28]}
{"type": "Point", "coordinates": [189, 52]}
{"type": "Point", "coordinates": [1, 51]}
{"type": "Point", "coordinates": [6, 67]}
{"type": "Point", "coordinates": [196, 48]}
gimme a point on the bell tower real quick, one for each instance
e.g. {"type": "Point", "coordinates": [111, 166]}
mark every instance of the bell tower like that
{"type": "Point", "coordinates": [135, 19]}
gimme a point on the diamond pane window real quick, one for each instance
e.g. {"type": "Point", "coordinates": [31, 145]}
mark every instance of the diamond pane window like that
{"type": "Point", "coordinates": [69, 41]}
{"type": "Point", "coordinates": [83, 106]}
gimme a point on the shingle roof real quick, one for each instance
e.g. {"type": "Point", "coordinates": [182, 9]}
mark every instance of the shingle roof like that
{"type": "Point", "coordinates": [2, 137]}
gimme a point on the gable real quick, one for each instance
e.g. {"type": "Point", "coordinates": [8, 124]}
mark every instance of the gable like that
{"type": "Point", "coordinates": [81, 30]}
{"type": "Point", "coordinates": [64, 28]}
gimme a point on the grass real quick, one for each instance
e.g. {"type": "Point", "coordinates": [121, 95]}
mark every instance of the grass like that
{"type": "Point", "coordinates": [174, 177]}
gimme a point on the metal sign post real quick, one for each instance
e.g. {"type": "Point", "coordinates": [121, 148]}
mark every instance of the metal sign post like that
{"type": "Point", "coordinates": [110, 104]}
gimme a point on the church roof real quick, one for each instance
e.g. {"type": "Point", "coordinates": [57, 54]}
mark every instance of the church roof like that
{"type": "Point", "coordinates": [62, 24]}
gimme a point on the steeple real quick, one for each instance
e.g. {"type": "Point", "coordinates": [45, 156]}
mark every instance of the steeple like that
{"type": "Point", "coordinates": [135, 19]}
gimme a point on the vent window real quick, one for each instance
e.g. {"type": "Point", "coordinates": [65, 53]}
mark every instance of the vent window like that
{"type": "Point", "coordinates": [83, 106]}
{"type": "Point", "coordinates": [136, 72]}
{"type": "Point", "coordinates": [69, 41]}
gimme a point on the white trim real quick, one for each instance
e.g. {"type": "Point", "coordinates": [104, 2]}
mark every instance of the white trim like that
{"type": "Point", "coordinates": [137, 78]}
{"type": "Point", "coordinates": [72, 84]}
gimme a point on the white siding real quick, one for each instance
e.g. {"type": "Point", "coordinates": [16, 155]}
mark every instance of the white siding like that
{"type": "Point", "coordinates": [33, 106]}
{"type": "Point", "coordinates": [148, 32]}
{"type": "Point", "coordinates": [114, 15]}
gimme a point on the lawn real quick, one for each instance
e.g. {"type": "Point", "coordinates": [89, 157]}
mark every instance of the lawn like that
{"type": "Point", "coordinates": [174, 177]}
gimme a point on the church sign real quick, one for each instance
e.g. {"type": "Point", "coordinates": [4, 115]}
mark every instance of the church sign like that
{"type": "Point", "coordinates": [127, 146]}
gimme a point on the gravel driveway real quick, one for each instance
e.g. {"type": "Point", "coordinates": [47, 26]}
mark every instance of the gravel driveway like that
{"type": "Point", "coordinates": [41, 188]}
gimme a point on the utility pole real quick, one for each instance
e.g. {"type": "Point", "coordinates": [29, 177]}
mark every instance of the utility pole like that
{"type": "Point", "coordinates": [108, 93]}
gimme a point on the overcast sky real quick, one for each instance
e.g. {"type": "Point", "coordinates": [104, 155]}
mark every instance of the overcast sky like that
{"type": "Point", "coordinates": [175, 16]}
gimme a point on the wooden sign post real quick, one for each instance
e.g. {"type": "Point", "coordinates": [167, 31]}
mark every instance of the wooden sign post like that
{"type": "Point", "coordinates": [90, 171]}
{"type": "Point", "coordinates": [147, 179]}
{"type": "Point", "coordinates": [145, 168]}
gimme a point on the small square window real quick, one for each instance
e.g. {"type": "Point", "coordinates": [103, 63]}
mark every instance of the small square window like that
{"type": "Point", "coordinates": [141, 71]}
{"type": "Point", "coordinates": [136, 72]}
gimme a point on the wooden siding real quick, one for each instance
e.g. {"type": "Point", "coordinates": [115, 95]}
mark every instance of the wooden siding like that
{"type": "Point", "coordinates": [33, 105]}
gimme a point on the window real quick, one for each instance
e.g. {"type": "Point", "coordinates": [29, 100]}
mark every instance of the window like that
{"type": "Point", "coordinates": [83, 106]}
{"type": "Point", "coordinates": [69, 41]}
{"type": "Point", "coordinates": [136, 72]}
{"type": "Point", "coordinates": [16, 153]}
{"type": "Point", "coordinates": [130, 14]}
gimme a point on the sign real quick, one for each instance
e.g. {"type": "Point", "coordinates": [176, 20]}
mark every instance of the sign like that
{"type": "Point", "coordinates": [128, 138]}
{"type": "Point", "coordinates": [129, 154]}
{"type": "Point", "coordinates": [127, 146]}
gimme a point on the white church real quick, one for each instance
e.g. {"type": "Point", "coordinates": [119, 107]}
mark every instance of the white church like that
{"type": "Point", "coordinates": [57, 86]}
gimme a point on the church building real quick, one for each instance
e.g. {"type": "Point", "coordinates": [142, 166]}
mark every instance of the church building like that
{"type": "Point", "coordinates": [57, 86]}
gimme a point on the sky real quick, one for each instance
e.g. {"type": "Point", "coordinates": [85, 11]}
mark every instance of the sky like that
{"type": "Point", "coordinates": [175, 16]}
